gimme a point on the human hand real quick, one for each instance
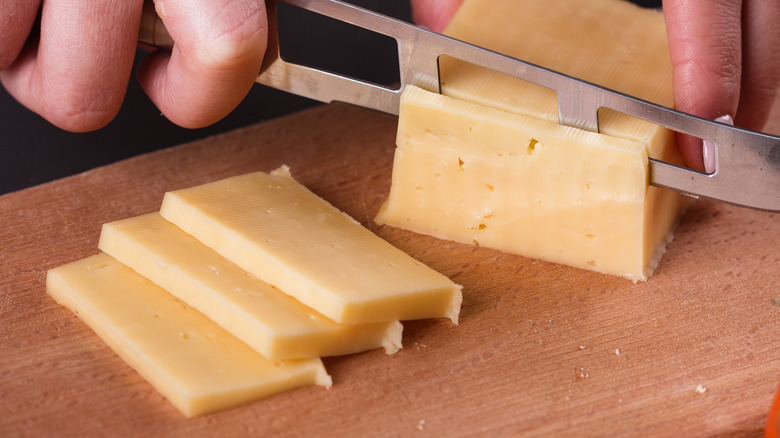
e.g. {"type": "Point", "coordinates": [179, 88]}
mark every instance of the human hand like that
{"type": "Point", "coordinates": [75, 68]}
{"type": "Point", "coordinates": [726, 58]}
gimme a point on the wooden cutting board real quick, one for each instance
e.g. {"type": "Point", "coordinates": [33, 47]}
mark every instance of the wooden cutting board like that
{"type": "Point", "coordinates": [541, 349]}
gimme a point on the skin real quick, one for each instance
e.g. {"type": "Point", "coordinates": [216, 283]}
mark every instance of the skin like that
{"type": "Point", "coordinates": [726, 58]}
{"type": "Point", "coordinates": [434, 14]}
{"type": "Point", "coordinates": [74, 66]}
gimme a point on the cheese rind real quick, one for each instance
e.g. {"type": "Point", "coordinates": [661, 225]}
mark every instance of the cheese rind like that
{"type": "Point", "coordinates": [193, 362]}
{"type": "Point", "coordinates": [273, 323]}
{"type": "Point", "coordinates": [487, 163]}
{"type": "Point", "coordinates": [276, 229]}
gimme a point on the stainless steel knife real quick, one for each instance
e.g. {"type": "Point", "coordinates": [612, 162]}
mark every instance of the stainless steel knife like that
{"type": "Point", "coordinates": [747, 163]}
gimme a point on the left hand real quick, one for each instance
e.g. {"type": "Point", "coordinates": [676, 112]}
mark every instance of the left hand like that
{"type": "Point", "coordinates": [434, 14]}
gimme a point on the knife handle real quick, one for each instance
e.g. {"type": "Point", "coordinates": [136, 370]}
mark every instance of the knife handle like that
{"type": "Point", "coordinates": [152, 32]}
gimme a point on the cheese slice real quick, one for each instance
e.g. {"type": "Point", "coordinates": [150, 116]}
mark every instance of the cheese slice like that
{"type": "Point", "coordinates": [276, 229]}
{"type": "Point", "coordinates": [273, 323]}
{"type": "Point", "coordinates": [488, 164]}
{"type": "Point", "coordinates": [189, 359]}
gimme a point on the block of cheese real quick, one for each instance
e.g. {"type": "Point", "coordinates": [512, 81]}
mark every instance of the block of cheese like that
{"type": "Point", "coordinates": [189, 359]}
{"type": "Point", "coordinates": [278, 230]}
{"type": "Point", "coordinates": [273, 323]}
{"type": "Point", "coordinates": [488, 164]}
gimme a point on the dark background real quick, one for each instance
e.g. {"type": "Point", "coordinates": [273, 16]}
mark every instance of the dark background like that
{"type": "Point", "coordinates": [33, 151]}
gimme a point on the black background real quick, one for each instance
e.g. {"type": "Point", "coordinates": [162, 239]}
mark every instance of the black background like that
{"type": "Point", "coordinates": [33, 151]}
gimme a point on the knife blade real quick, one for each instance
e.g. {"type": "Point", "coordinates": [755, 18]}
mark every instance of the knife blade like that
{"type": "Point", "coordinates": [747, 163]}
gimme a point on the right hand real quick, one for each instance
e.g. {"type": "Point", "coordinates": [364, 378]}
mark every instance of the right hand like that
{"type": "Point", "coordinates": [75, 69]}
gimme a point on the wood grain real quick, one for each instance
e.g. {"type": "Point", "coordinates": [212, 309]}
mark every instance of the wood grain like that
{"type": "Point", "coordinates": [541, 349]}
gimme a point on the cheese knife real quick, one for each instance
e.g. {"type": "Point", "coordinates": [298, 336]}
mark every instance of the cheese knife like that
{"type": "Point", "coordinates": [747, 163]}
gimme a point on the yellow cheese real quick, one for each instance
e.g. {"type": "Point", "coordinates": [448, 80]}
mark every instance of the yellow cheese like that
{"type": "Point", "coordinates": [271, 322]}
{"type": "Point", "coordinates": [488, 163]}
{"type": "Point", "coordinates": [193, 362]}
{"type": "Point", "coordinates": [275, 228]}
{"type": "Point", "coordinates": [608, 42]}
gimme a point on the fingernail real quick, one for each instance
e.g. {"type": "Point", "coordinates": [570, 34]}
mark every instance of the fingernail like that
{"type": "Point", "coordinates": [708, 148]}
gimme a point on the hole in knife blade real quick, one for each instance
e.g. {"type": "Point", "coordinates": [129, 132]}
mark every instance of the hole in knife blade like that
{"type": "Point", "coordinates": [314, 40]}
{"type": "Point", "coordinates": [523, 97]}
{"type": "Point", "coordinates": [611, 118]}
{"type": "Point", "coordinates": [513, 93]}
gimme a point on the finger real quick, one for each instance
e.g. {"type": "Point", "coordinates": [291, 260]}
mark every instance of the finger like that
{"type": "Point", "coordinates": [434, 14]}
{"type": "Point", "coordinates": [705, 45]}
{"type": "Point", "coordinates": [77, 74]}
{"type": "Point", "coordinates": [217, 55]}
{"type": "Point", "coordinates": [16, 21]}
{"type": "Point", "coordinates": [760, 62]}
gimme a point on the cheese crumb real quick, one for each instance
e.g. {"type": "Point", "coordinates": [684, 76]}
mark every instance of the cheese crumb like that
{"type": "Point", "coordinates": [701, 389]}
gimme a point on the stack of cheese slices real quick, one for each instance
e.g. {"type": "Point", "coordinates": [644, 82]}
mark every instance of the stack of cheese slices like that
{"type": "Point", "coordinates": [235, 289]}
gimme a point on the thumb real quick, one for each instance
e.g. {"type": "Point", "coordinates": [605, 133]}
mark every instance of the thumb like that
{"type": "Point", "coordinates": [218, 51]}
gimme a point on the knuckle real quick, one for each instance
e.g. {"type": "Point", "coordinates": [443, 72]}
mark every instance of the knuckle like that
{"type": "Point", "coordinates": [721, 77]}
{"type": "Point", "coordinates": [240, 39]}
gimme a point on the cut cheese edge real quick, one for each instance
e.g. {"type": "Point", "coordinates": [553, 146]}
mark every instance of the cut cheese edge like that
{"type": "Point", "coordinates": [273, 323]}
{"type": "Point", "coordinates": [487, 163]}
{"type": "Point", "coordinates": [613, 43]}
{"type": "Point", "coordinates": [189, 359]}
{"type": "Point", "coordinates": [278, 230]}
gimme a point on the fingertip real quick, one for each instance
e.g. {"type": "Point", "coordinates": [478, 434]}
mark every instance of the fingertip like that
{"type": "Point", "coordinates": [83, 112]}
{"type": "Point", "coordinates": [706, 53]}
{"type": "Point", "coordinates": [691, 150]}
{"type": "Point", "coordinates": [79, 107]}
{"type": "Point", "coordinates": [434, 14]}
{"type": "Point", "coordinates": [58, 100]}
{"type": "Point", "coordinates": [234, 53]}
